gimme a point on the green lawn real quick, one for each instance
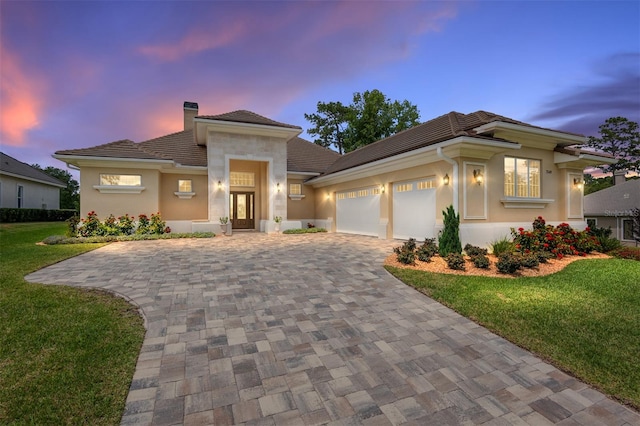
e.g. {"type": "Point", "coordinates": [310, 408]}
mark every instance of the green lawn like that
{"type": "Point", "coordinates": [584, 319]}
{"type": "Point", "coordinates": [67, 355]}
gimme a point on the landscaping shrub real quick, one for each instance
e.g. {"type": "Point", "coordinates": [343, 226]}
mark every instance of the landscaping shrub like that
{"type": "Point", "coordinates": [13, 215]}
{"type": "Point", "coordinates": [406, 253]}
{"type": "Point", "coordinates": [449, 240]}
{"type": "Point", "coordinates": [530, 260]}
{"type": "Point", "coordinates": [481, 261]}
{"type": "Point", "coordinates": [544, 256]}
{"type": "Point", "coordinates": [455, 261]}
{"type": "Point", "coordinates": [427, 250]}
{"type": "Point", "coordinates": [59, 239]}
{"type": "Point", "coordinates": [503, 245]}
{"type": "Point", "coordinates": [632, 253]}
{"type": "Point", "coordinates": [606, 242]}
{"type": "Point", "coordinates": [474, 250]}
{"type": "Point", "coordinates": [91, 226]}
{"type": "Point", "coordinates": [72, 226]}
{"type": "Point", "coordinates": [560, 241]}
{"type": "Point", "coordinates": [508, 263]}
{"type": "Point", "coordinates": [304, 231]}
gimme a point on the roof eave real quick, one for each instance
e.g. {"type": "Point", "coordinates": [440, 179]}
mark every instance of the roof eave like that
{"type": "Point", "coordinates": [31, 179]}
{"type": "Point", "coordinates": [202, 126]}
{"type": "Point", "coordinates": [407, 159]}
{"type": "Point", "coordinates": [89, 160]}
{"type": "Point", "coordinates": [564, 139]}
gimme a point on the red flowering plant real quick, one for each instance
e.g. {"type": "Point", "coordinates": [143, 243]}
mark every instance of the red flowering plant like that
{"type": "Point", "coordinates": [90, 226]}
{"type": "Point", "coordinates": [559, 241]}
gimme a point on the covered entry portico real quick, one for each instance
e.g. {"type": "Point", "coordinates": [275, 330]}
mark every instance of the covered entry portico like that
{"type": "Point", "coordinates": [247, 169]}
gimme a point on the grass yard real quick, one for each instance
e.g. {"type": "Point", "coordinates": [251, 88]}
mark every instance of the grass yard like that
{"type": "Point", "coordinates": [584, 319]}
{"type": "Point", "coordinates": [67, 355]}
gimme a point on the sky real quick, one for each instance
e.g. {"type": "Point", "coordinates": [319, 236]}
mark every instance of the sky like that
{"type": "Point", "coordinates": [76, 74]}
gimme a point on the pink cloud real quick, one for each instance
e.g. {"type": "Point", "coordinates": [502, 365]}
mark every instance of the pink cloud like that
{"type": "Point", "coordinates": [22, 99]}
{"type": "Point", "coordinates": [195, 41]}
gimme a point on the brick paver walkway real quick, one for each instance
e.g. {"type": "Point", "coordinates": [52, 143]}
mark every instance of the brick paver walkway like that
{"type": "Point", "coordinates": [310, 329]}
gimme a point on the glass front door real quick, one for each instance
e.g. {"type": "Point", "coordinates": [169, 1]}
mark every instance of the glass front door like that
{"type": "Point", "coordinates": [241, 210]}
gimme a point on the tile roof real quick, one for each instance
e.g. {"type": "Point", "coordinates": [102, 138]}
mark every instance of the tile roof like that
{"type": "Point", "coordinates": [179, 147]}
{"type": "Point", "coordinates": [12, 166]}
{"type": "Point", "coordinates": [244, 116]}
{"type": "Point", "coordinates": [305, 156]}
{"type": "Point", "coordinates": [445, 127]}
{"type": "Point", "coordinates": [622, 197]}
{"type": "Point", "coordinates": [119, 149]}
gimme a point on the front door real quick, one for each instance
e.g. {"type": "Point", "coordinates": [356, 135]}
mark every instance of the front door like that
{"type": "Point", "coordinates": [241, 210]}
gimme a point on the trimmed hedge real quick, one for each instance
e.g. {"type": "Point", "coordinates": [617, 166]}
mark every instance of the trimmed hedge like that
{"type": "Point", "coordinates": [11, 215]}
{"type": "Point", "coordinates": [304, 231]}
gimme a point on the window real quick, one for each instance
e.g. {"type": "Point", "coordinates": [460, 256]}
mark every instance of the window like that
{"type": "Point", "coordinates": [363, 193]}
{"type": "Point", "coordinates": [627, 229]}
{"type": "Point", "coordinates": [20, 196]}
{"type": "Point", "coordinates": [426, 184]}
{"type": "Point", "coordinates": [242, 179]}
{"type": "Point", "coordinates": [592, 223]}
{"type": "Point", "coordinates": [295, 189]}
{"type": "Point", "coordinates": [184, 185]}
{"type": "Point", "coordinates": [521, 177]}
{"type": "Point", "coordinates": [120, 180]}
{"type": "Point", "coordinates": [405, 187]}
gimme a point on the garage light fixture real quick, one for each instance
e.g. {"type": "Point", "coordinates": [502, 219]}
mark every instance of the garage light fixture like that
{"type": "Point", "coordinates": [445, 179]}
{"type": "Point", "coordinates": [382, 188]}
{"type": "Point", "coordinates": [278, 186]}
{"type": "Point", "coordinates": [477, 176]}
{"type": "Point", "coordinates": [219, 186]}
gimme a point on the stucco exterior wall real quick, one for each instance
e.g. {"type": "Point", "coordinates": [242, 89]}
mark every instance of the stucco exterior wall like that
{"type": "Point", "coordinates": [304, 208]}
{"type": "Point", "coordinates": [173, 207]}
{"type": "Point", "coordinates": [146, 202]}
{"type": "Point", "coordinates": [35, 195]}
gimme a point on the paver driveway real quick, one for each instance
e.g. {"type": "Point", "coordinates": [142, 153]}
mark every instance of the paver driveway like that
{"type": "Point", "coordinates": [310, 329]}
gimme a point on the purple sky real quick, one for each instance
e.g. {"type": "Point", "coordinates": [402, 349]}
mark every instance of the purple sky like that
{"type": "Point", "coordinates": [78, 74]}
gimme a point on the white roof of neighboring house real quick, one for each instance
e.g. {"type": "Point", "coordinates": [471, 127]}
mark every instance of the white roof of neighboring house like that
{"type": "Point", "coordinates": [619, 198]}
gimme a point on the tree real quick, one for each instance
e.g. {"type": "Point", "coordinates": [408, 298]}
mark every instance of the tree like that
{"type": "Point", "coordinates": [330, 122]}
{"type": "Point", "coordinates": [69, 196]}
{"type": "Point", "coordinates": [370, 117]}
{"type": "Point", "coordinates": [620, 138]}
{"type": "Point", "coordinates": [592, 184]}
{"type": "Point", "coordinates": [449, 239]}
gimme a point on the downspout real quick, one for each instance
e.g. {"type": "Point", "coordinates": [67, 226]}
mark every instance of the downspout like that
{"type": "Point", "coordinates": [454, 178]}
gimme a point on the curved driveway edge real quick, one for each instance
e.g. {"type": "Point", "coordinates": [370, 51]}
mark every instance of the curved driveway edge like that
{"type": "Point", "coordinates": [310, 329]}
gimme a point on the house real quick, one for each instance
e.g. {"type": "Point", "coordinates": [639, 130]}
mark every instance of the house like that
{"type": "Point", "coordinates": [612, 208]}
{"type": "Point", "coordinates": [497, 172]}
{"type": "Point", "coordinates": [25, 187]}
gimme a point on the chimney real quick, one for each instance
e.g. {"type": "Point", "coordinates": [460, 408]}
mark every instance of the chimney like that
{"type": "Point", "coordinates": [190, 112]}
{"type": "Point", "coordinates": [618, 177]}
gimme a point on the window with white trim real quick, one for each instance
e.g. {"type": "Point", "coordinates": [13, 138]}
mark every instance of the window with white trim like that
{"type": "Point", "coordinates": [627, 229]}
{"type": "Point", "coordinates": [120, 180]}
{"type": "Point", "coordinates": [247, 179]}
{"type": "Point", "coordinates": [185, 185]}
{"type": "Point", "coordinates": [295, 189]}
{"type": "Point", "coordinates": [20, 196]}
{"type": "Point", "coordinates": [521, 177]}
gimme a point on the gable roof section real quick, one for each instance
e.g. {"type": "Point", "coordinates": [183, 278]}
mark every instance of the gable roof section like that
{"type": "Point", "coordinates": [248, 117]}
{"type": "Point", "coordinates": [11, 167]}
{"type": "Point", "coordinates": [305, 156]}
{"type": "Point", "coordinates": [622, 197]}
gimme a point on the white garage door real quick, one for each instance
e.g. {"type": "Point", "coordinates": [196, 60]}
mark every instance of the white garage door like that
{"type": "Point", "coordinates": [358, 211]}
{"type": "Point", "coordinates": [414, 209]}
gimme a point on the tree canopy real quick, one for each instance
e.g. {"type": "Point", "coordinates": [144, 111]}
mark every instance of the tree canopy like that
{"type": "Point", "coordinates": [619, 137]}
{"type": "Point", "coordinates": [69, 196]}
{"type": "Point", "coordinates": [371, 116]}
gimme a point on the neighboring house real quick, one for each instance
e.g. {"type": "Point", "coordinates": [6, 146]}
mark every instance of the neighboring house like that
{"type": "Point", "coordinates": [497, 172]}
{"type": "Point", "coordinates": [25, 187]}
{"type": "Point", "coordinates": [612, 208]}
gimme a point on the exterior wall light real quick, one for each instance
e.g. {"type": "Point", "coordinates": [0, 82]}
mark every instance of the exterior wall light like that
{"type": "Point", "coordinates": [278, 186]}
{"type": "Point", "coordinates": [382, 188]}
{"type": "Point", "coordinates": [477, 176]}
{"type": "Point", "coordinates": [219, 186]}
{"type": "Point", "coordinates": [577, 183]}
{"type": "Point", "coordinates": [445, 179]}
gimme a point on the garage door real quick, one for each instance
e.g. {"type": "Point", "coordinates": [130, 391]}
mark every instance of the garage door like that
{"type": "Point", "coordinates": [414, 209]}
{"type": "Point", "coordinates": [358, 211]}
